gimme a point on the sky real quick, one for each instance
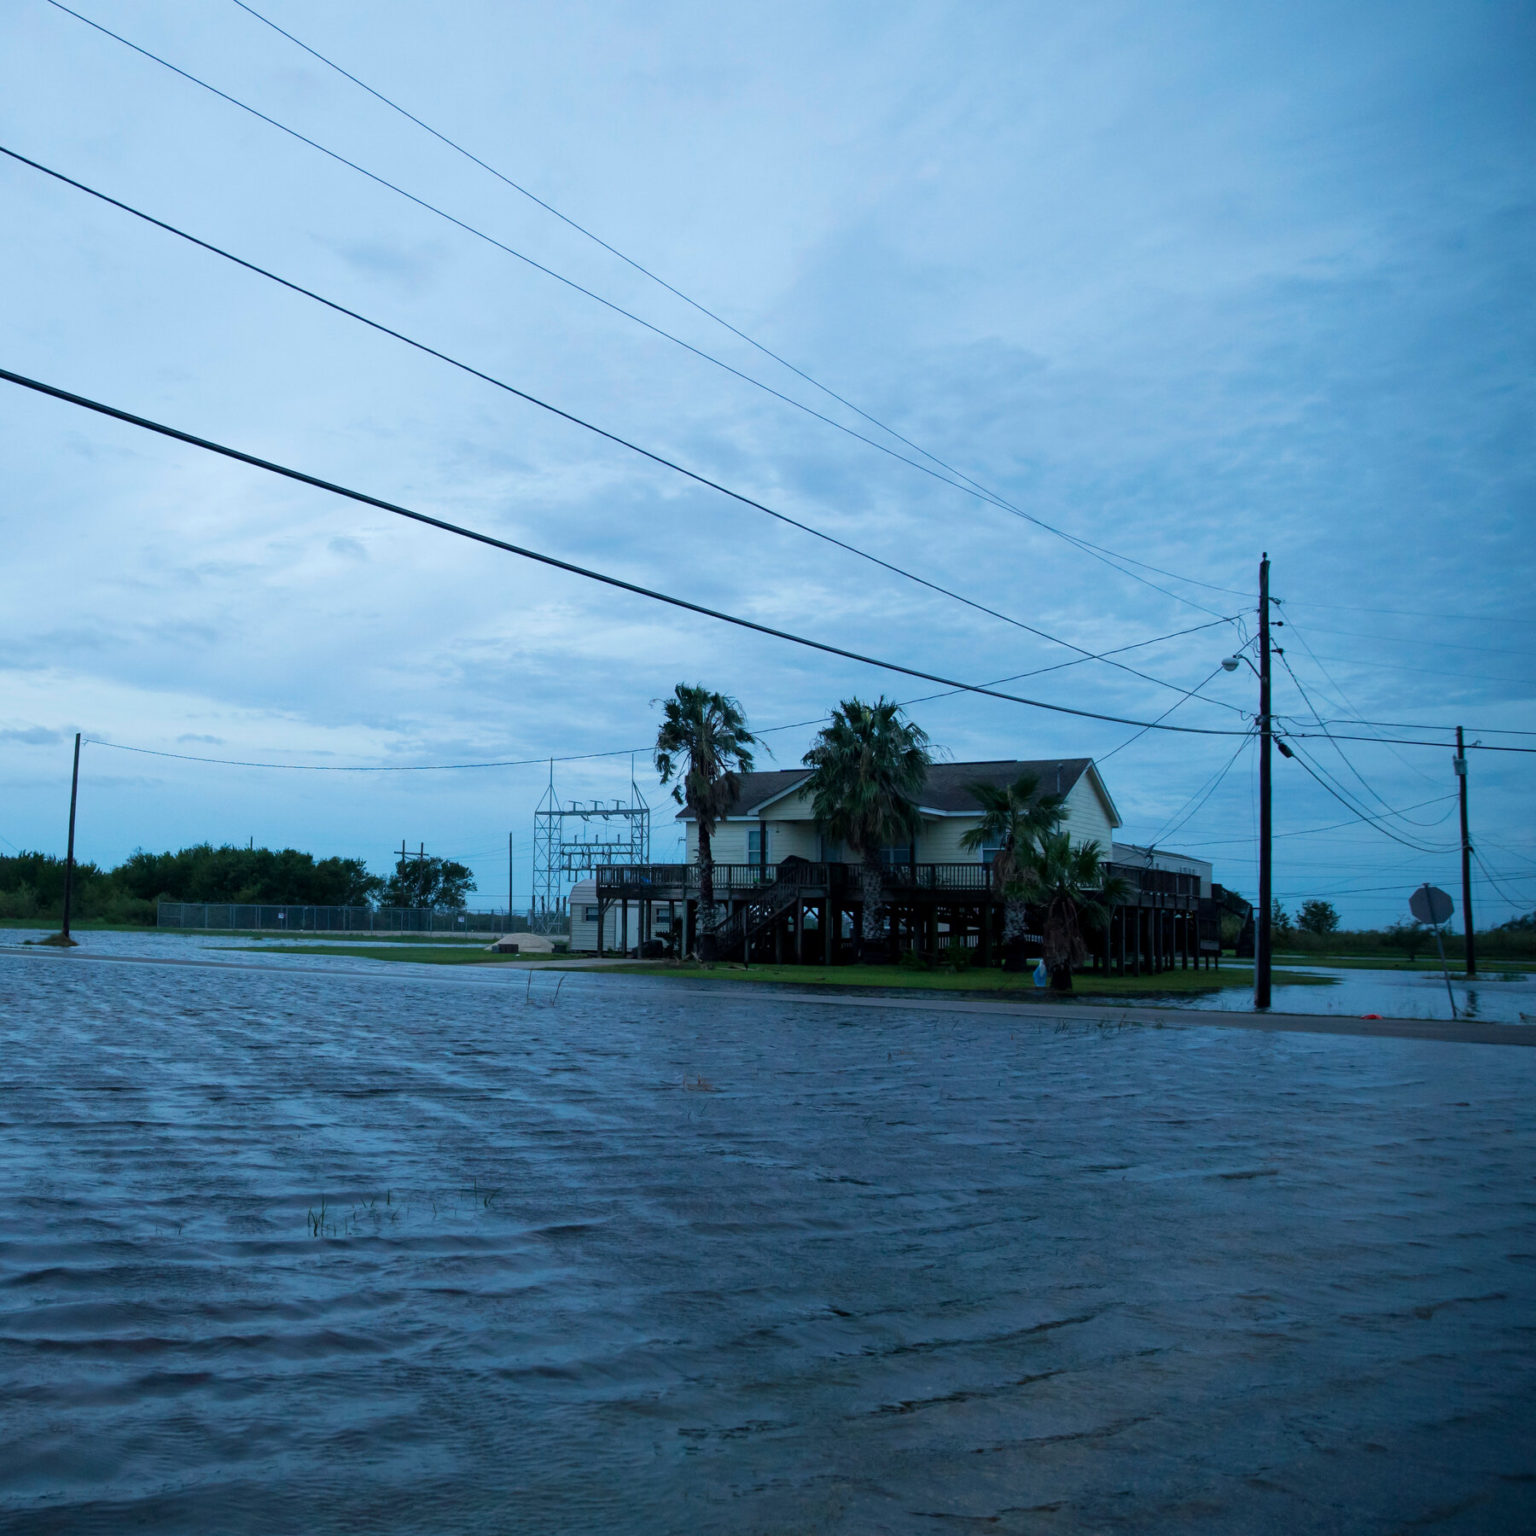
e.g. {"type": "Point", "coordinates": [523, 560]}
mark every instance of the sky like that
{"type": "Point", "coordinates": [1185, 282]}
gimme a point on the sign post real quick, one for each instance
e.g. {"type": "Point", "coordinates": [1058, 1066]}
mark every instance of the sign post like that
{"type": "Point", "coordinates": [63, 939]}
{"type": "Point", "coordinates": [1429, 904]}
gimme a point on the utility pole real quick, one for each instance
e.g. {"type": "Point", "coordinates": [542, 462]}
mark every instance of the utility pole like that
{"type": "Point", "coordinates": [1261, 928]}
{"type": "Point", "coordinates": [406, 857]}
{"type": "Point", "coordinates": [509, 882]}
{"type": "Point", "coordinates": [69, 857]}
{"type": "Point", "coordinates": [1466, 854]}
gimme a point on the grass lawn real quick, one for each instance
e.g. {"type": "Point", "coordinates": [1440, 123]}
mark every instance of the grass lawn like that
{"type": "Point", "coordinates": [361, 937]}
{"type": "Point", "coordinates": [95, 924]}
{"type": "Point", "coordinates": [276, 935]}
{"type": "Point", "coordinates": [1004, 983]}
{"type": "Point", "coordinates": [417, 954]}
{"type": "Point", "coordinates": [1486, 967]}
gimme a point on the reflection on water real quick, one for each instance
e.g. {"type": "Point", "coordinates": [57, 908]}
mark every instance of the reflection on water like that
{"type": "Point", "coordinates": [292, 1250]}
{"type": "Point", "coordinates": [1395, 995]}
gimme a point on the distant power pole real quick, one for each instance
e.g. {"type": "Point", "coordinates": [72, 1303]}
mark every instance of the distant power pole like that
{"type": "Point", "coordinates": [509, 879]}
{"type": "Point", "coordinates": [421, 859]}
{"type": "Point", "coordinates": [1261, 928]}
{"type": "Point", "coordinates": [1466, 854]}
{"type": "Point", "coordinates": [69, 856]}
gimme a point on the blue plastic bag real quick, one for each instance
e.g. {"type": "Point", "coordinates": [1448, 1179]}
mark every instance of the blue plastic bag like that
{"type": "Point", "coordinates": [1042, 976]}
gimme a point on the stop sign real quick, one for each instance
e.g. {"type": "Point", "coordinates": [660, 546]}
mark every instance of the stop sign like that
{"type": "Point", "coordinates": [1431, 905]}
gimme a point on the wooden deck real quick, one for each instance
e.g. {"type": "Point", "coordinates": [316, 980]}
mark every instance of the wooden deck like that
{"type": "Point", "coordinates": [808, 912]}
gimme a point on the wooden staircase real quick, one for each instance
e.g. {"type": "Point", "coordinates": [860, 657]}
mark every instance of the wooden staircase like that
{"type": "Point", "coordinates": [765, 905]}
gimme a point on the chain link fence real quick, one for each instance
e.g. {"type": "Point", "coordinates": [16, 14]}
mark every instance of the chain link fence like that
{"type": "Point", "coordinates": [259, 917]}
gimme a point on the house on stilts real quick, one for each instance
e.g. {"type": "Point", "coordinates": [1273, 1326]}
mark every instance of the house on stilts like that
{"type": "Point", "coordinates": [784, 894]}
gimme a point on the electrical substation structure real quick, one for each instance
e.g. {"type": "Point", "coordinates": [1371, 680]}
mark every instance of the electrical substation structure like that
{"type": "Point", "coordinates": [570, 839]}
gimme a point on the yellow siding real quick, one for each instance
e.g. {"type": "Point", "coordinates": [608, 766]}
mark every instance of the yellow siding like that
{"type": "Point", "coordinates": [1087, 820]}
{"type": "Point", "coordinates": [940, 841]}
{"type": "Point", "coordinates": [793, 839]}
{"type": "Point", "coordinates": [792, 831]}
{"type": "Point", "coordinates": [795, 807]}
{"type": "Point", "coordinates": [729, 842]}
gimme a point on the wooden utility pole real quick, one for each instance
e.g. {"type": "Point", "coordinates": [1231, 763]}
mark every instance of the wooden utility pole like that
{"type": "Point", "coordinates": [1466, 854]}
{"type": "Point", "coordinates": [69, 856]}
{"type": "Point", "coordinates": [1261, 927]}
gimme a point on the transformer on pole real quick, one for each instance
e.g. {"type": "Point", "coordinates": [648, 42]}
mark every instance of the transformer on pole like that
{"type": "Point", "coordinates": [570, 839]}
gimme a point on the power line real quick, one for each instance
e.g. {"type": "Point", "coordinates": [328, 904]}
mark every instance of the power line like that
{"type": "Point", "coordinates": [1331, 827]}
{"type": "Point", "coordinates": [576, 757]}
{"type": "Point", "coordinates": [237, 762]}
{"type": "Point", "coordinates": [1517, 904]}
{"type": "Point", "coordinates": [1197, 801]}
{"type": "Point", "coordinates": [1344, 758]}
{"type": "Point", "coordinates": [1058, 666]}
{"type": "Point", "coordinates": [1372, 890]}
{"type": "Point", "coordinates": [612, 437]}
{"type": "Point", "coordinates": [1143, 731]}
{"type": "Point", "coordinates": [1403, 741]}
{"type": "Point", "coordinates": [1319, 774]}
{"type": "Point", "coordinates": [1413, 613]}
{"type": "Point", "coordinates": [1504, 848]}
{"type": "Point", "coordinates": [1348, 703]}
{"type": "Point", "coordinates": [1403, 666]}
{"type": "Point", "coordinates": [965, 484]}
{"type": "Point", "coordinates": [703, 309]}
{"type": "Point", "coordinates": [826, 647]}
{"type": "Point", "coordinates": [1439, 644]}
{"type": "Point", "coordinates": [1364, 890]}
{"type": "Point", "coordinates": [1410, 725]}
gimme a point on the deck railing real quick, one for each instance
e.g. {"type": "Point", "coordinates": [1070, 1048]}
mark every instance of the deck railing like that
{"type": "Point", "coordinates": [1149, 887]}
{"type": "Point", "coordinates": [634, 879]}
{"type": "Point", "coordinates": [937, 877]}
{"type": "Point", "coordinates": [731, 879]}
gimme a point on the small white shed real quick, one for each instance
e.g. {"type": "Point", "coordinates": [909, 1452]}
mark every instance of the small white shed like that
{"type": "Point", "coordinates": [583, 909]}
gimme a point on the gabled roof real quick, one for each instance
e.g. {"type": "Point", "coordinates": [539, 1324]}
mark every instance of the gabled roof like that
{"type": "Point", "coordinates": [946, 792]}
{"type": "Point", "coordinates": [947, 789]}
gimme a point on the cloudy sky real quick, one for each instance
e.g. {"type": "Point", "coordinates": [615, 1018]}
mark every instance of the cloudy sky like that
{"type": "Point", "coordinates": [1185, 282]}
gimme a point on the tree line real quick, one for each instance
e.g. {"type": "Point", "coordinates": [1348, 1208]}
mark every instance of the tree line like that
{"type": "Point", "coordinates": [32, 884]}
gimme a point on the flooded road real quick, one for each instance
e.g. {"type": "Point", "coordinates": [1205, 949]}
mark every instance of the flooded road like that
{"type": "Point", "coordinates": [290, 1249]}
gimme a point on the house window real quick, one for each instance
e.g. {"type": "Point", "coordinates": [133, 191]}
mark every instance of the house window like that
{"type": "Point", "coordinates": [589, 914]}
{"type": "Point", "coordinates": [990, 851]}
{"type": "Point", "coordinates": [757, 845]}
{"type": "Point", "coordinates": [896, 853]}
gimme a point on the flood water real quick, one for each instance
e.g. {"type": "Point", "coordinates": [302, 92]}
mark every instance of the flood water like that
{"type": "Point", "coordinates": [1499, 997]}
{"type": "Point", "coordinates": [312, 1248]}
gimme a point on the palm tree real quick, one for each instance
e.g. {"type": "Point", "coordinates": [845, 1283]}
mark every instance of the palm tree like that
{"type": "Point", "coordinates": [1014, 819]}
{"type": "Point", "coordinates": [703, 743]}
{"type": "Point", "coordinates": [1072, 882]}
{"type": "Point", "coordinates": [870, 764]}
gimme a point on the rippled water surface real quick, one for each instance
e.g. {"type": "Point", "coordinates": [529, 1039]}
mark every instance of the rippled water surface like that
{"type": "Point", "coordinates": [304, 1248]}
{"type": "Point", "coordinates": [1500, 997]}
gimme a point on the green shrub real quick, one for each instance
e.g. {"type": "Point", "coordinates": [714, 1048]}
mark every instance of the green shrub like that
{"type": "Point", "coordinates": [21, 902]}
{"type": "Point", "coordinates": [958, 955]}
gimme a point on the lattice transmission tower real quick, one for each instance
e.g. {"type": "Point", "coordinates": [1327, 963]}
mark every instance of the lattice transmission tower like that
{"type": "Point", "coordinates": [571, 839]}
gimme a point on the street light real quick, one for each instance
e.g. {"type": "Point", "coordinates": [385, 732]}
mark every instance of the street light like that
{"type": "Point", "coordinates": [1265, 722]}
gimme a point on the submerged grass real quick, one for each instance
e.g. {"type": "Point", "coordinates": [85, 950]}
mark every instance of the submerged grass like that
{"type": "Point", "coordinates": [1495, 969]}
{"type": "Point", "coordinates": [417, 954]}
{"type": "Point", "coordinates": [1005, 983]}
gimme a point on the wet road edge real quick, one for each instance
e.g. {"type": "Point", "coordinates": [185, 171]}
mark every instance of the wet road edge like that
{"type": "Point", "coordinates": [1445, 1031]}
